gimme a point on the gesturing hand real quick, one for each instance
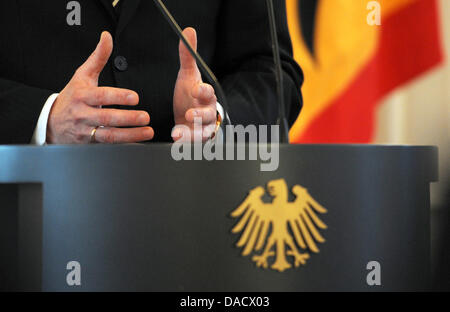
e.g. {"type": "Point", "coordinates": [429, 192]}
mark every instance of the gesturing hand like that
{"type": "Point", "coordinates": [77, 110]}
{"type": "Point", "coordinates": [193, 100]}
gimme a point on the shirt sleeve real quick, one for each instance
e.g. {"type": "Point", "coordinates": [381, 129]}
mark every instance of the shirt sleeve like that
{"type": "Point", "coordinates": [40, 133]}
{"type": "Point", "coordinates": [221, 111]}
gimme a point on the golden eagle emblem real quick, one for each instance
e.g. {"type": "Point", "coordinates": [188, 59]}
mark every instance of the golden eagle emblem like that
{"type": "Point", "coordinates": [291, 224]}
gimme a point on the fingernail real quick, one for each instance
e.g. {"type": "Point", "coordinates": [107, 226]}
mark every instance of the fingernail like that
{"type": "Point", "coordinates": [131, 97]}
{"type": "Point", "coordinates": [196, 113]}
{"type": "Point", "coordinates": [148, 132]}
{"type": "Point", "coordinates": [176, 134]}
{"type": "Point", "coordinates": [142, 118]}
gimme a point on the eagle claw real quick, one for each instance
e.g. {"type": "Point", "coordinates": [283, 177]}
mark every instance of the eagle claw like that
{"type": "Point", "coordinates": [261, 261]}
{"type": "Point", "coordinates": [300, 259]}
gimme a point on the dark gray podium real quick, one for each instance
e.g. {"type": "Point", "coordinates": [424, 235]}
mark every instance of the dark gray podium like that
{"type": "Point", "coordinates": [137, 220]}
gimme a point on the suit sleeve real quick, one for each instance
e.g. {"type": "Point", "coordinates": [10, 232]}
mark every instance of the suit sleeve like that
{"type": "Point", "coordinates": [20, 108]}
{"type": "Point", "coordinates": [245, 66]}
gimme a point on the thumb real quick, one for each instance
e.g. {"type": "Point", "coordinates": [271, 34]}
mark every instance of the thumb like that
{"type": "Point", "coordinates": [98, 59]}
{"type": "Point", "coordinates": [187, 62]}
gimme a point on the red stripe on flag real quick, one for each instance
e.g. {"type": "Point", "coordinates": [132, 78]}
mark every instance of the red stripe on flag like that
{"type": "Point", "coordinates": [409, 45]}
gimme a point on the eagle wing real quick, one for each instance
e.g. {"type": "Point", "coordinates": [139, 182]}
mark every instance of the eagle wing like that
{"type": "Point", "coordinates": [254, 222]}
{"type": "Point", "coordinates": [304, 221]}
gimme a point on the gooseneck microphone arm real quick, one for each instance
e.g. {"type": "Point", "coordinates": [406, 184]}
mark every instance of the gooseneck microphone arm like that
{"type": "Point", "coordinates": [282, 120]}
{"type": "Point", "coordinates": [200, 62]}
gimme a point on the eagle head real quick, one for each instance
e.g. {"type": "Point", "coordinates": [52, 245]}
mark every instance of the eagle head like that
{"type": "Point", "coordinates": [278, 188]}
{"type": "Point", "coordinates": [299, 191]}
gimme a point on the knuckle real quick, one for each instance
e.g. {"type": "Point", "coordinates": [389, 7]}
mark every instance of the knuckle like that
{"type": "Point", "coordinates": [77, 117]}
{"type": "Point", "coordinates": [100, 95]}
{"type": "Point", "coordinates": [121, 97]}
{"type": "Point", "coordinates": [110, 136]}
{"type": "Point", "coordinates": [79, 135]}
{"type": "Point", "coordinates": [135, 118]}
{"type": "Point", "coordinates": [104, 118]}
{"type": "Point", "coordinates": [210, 89]}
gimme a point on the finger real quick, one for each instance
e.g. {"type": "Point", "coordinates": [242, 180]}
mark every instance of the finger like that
{"type": "Point", "coordinates": [204, 93]}
{"type": "Point", "coordinates": [181, 134]}
{"type": "Point", "coordinates": [185, 134]}
{"type": "Point", "coordinates": [123, 136]}
{"type": "Point", "coordinates": [187, 62]}
{"type": "Point", "coordinates": [205, 115]}
{"type": "Point", "coordinates": [98, 59]}
{"type": "Point", "coordinates": [208, 132]}
{"type": "Point", "coordinates": [108, 96]}
{"type": "Point", "coordinates": [117, 118]}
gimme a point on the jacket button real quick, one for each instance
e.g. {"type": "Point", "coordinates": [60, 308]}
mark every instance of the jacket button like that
{"type": "Point", "coordinates": [121, 63]}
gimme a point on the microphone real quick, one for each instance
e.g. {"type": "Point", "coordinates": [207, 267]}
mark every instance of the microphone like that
{"type": "Point", "coordinates": [282, 120]}
{"type": "Point", "coordinates": [204, 68]}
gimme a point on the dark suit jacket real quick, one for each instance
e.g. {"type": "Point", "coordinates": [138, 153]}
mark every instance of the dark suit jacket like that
{"type": "Point", "coordinates": [39, 53]}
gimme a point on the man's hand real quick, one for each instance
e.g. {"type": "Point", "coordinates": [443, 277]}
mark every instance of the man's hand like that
{"type": "Point", "coordinates": [77, 110]}
{"type": "Point", "coordinates": [193, 100]}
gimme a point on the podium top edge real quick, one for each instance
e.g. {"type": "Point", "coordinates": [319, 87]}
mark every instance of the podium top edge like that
{"type": "Point", "coordinates": [168, 145]}
{"type": "Point", "coordinates": [19, 161]}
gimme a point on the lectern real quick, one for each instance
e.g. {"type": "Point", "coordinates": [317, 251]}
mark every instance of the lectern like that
{"type": "Point", "coordinates": [134, 219]}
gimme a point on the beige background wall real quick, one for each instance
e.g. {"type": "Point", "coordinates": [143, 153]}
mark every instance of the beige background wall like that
{"type": "Point", "coordinates": [419, 113]}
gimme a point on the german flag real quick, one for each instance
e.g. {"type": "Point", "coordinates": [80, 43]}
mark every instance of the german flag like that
{"type": "Point", "coordinates": [351, 64]}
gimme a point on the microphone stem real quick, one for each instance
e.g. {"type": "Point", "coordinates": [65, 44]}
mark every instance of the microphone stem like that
{"type": "Point", "coordinates": [200, 62]}
{"type": "Point", "coordinates": [282, 121]}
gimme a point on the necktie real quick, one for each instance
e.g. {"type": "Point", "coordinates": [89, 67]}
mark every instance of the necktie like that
{"type": "Point", "coordinates": [115, 2]}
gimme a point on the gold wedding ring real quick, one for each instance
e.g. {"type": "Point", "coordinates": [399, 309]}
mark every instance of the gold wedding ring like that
{"type": "Point", "coordinates": [93, 132]}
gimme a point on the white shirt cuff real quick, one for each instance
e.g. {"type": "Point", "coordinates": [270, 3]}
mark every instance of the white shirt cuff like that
{"type": "Point", "coordinates": [40, 133]}
{"type": "Point", "coordinates": [220, 110]}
